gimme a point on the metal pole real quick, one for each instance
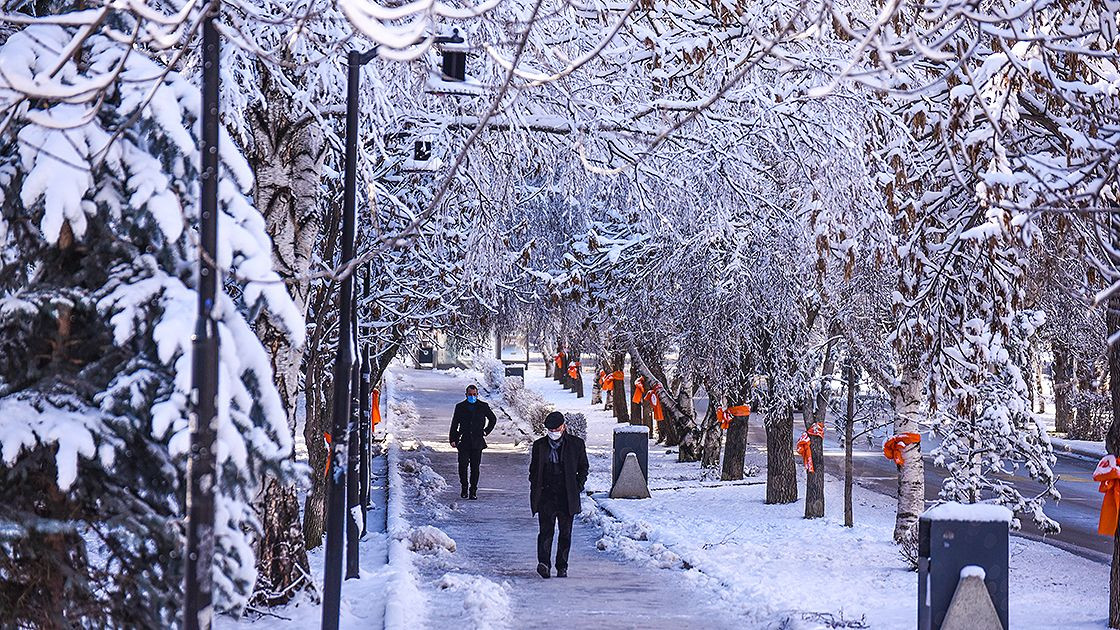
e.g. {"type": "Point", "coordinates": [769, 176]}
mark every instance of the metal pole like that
{"type": "Point", "coordinates": [198, 589]}
{"type": "Point", "coordinates": [340, 410]}
{"type": "Point", "coordinates": [352, 486]}
{"type": "Point", "coordinates": [364, 419]}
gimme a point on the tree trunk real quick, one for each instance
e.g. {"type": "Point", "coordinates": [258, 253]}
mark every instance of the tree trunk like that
{"type": "Point", "coordinates": [618, 396]}
{"type": "Point", "coordinates": [1063, 382]}
{"type": "Point", "coordinates": [1082, 427]}
{"type": "Point", "coordinates": [781, 475]}
{"type": "Point", "coordinates": [712, 437]}
{"type": "Point", "coordinates": [1040, 398]}
{"type": "Point", "coordinates": [636, 416]}
{"type": "Point", "coordinates": [692, 439]}
{"type": "Point", "coordinates": [1112, 445]}
{"type": "Point", "coordinates": [577, 382]}
{"type": "Point", "coordinates": [287, 164]}
{"type": "Point", "coordinates": [735, 454]}
{"type": "Point", "coordinates": [849, 425]}
{"type": "Point", "coordinates": [814, 481]}
{"type": "Point", "coordinates": [907, 403]}
{"type": "Point", "coordinates": [549, 365]}
{"type": "Point", "coordinates": [597, 386]}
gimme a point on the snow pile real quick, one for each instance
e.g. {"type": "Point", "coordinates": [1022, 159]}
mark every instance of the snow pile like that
{"type": "Point", "coordinates": [970, 512]}
{"type": "Point", "coordinates": [485, 603]}
{"type": "Point", "coordinates": [493, 371]}
{"type": "Point", "coordinates": [525, 405]}
{"type": "Point", "coordinates": [429, 539]}
{"type": "Point", "coordinates": [403, 413]}
{"type": "Point", "coordinates": [576, 424]}
{"type": "Point", "coordinates": [405, 602]}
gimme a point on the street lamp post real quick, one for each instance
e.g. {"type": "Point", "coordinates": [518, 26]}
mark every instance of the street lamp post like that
{"type": "Point", "coordinates": [198, 586]}
{"type": "Point", "coordinates": [344, 362]}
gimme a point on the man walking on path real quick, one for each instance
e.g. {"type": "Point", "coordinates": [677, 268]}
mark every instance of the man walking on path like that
{"type": "Point", "coordinates": [557, 472]}
{"type": "Point", "coordinates": [472, 421]}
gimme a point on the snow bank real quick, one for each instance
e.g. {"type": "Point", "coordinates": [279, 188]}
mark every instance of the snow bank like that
{"type": "Point", "coordinates": [485, 603]}
{"type": "Point", "coordinates": [405, 603]}
{"type": "Point", "coordinates": [974, 513]}
{"type": "Point", "coordinates": [429, 539]}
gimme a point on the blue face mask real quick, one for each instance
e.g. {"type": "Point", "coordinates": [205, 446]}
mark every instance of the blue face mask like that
{"type": "Point", "coordinates": [472, 399]}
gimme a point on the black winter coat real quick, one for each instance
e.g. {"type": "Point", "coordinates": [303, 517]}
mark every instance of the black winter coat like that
{"type": "Point", "coordinates": [573, 455]}
{"type": "Point", "coordinates": [470, 424]}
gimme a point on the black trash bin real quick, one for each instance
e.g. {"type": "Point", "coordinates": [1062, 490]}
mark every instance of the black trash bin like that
{"type": "Point", "coordinates": [952, 536]}
{"type": "Point", "coordinates": [630, 439]}
{"type": "Point", "coordinates": [515, 371]}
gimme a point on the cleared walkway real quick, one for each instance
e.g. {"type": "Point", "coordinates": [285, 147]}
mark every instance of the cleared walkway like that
{"type": "Point", "coordinates": [496, 539]}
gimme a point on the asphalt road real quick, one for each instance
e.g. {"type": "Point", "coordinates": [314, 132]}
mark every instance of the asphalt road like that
{"type": "Point", "coordinates": [1077, 511]}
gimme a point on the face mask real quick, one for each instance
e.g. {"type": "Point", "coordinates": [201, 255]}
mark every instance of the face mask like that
{"type": "Point", "coordinates": [472, 399]}
{"type": "Point", "coordinates": [555, 435]}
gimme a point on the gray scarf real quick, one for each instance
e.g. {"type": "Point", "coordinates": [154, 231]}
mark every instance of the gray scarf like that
{"type": "Point", "coordinates": [554, 450]}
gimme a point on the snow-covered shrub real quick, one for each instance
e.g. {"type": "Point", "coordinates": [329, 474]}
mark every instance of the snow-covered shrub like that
{"type": "Point", "coordinates": [577, 424]}
{"type": "Point", "coordinates": [98, 275]}
{"type": "Point", "coordinates": [493, 371]}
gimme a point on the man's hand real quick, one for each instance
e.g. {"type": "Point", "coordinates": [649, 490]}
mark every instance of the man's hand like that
{"type": "Point", "coordinates": [454, 444]}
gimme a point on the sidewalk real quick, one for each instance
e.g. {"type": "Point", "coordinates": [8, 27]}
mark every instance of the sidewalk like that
{"type": "Point", "coordinates": [489, 580]}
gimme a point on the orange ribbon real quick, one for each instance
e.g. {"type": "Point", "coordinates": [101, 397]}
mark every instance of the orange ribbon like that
{"type": "Point", "coordinates": [739, 410]}
{"type": "Point", "coordinates": [639, 390]}
{"type": "Point", "coordinates": [327, 437]}
{"type": "Point", "coordinates": [724, 418]}
{"type": "Point", "coordinates": [658, 412]}
{"type": "Point", "coordinates": [573, 369]}
{"type": "Point", "coordinates": [602, 379]}
{"type": "Point", "coordinates": [893, 447]}
{"type": "Point", "coordinates": [559, 358]}
{"type": "Point", "coordinates": [374, 409]}
{"type": "Point", "coordinates": [805, 445]}
{"type": "Point", "coordinates": [1108, 475]}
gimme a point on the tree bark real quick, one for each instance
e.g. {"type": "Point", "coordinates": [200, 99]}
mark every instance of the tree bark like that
{"type": "Point", "coordinates": [814, 481]}
{"type": "Point", "coordinates": [1082, 426]}
{"type": "Point", "coordinates": [1063, 382]}
{"type": "Point", "coordinates": [712, 436]}
{"type": "Point", "coordinates": [781, 475]}
{"type": "Point", "coordinates": [636, 417]}
{"type": "Point", "coordinates": [849, 425]}
{"type": "Point", "coordinates": [287, 160]}
{"type": "Point", "coordinates": [735, 453]}
{"type": "Point", "coordinates": [618, 395]}
{"type": "Point", "coordinates": [692, 439]}
{"type": "Point", "coordinates": [906, 400]}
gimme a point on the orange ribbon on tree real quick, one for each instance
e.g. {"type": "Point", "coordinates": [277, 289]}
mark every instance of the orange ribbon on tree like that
{"type": "Point", "coordinates": [374, 409]}
{"type": "Point", "coordinates": [724, 418]}
{"type": "Point", "coordinates": [739, 410]}
{"type": "Point", "coordinates": [655, 401]}
{"type": "Point", "coordinates": [603, 381]}
{"type": "Point", "coordinates": [327, 437]}
{"type": "Point", "coordinates": [805, 445]}
{"type": "Point", "coordinates": [573, 369]}
{"type": "Point", "coordinates": [893, 447]}
{"type": "Point", "coordinates": [639, 390]}
{"type": "Point", "coordinates": [559, 358]}
{"type": "Point", "coordinates": [1108, 474]}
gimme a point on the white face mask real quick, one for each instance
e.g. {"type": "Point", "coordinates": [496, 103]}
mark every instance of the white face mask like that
{"type": "Point", "coordinates": [555, 435]}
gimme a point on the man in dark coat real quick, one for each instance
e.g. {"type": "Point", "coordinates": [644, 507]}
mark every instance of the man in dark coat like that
{"type": "Point", "coordinates": [472, 421]}
{"type": "Point", "coordinates": [557, 472]}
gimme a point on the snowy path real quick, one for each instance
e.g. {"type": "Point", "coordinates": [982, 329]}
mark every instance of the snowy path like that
{"type": "Point", "coordinates": [490, 579]}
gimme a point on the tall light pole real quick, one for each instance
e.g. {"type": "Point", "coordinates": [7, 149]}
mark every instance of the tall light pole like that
{"type": "Point", "coordinates": [343, 365]}
{"type": "Point", "coordinates": [198, 589]}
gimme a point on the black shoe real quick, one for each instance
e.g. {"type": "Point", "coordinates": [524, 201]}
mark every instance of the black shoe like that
{"type": "Point", "coordinates": [463, 493]}
{"type": "Point", "coordinates": [561, 573]}
{"type": "Point", "coordinates": [542, 570]}
{"type": "Point", "coordinates": [474, 493]}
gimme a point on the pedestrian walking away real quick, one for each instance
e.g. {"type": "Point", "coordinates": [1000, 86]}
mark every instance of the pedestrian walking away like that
{"type": "Point", "coordinates": [557, 473]}
{"type": "Point", "coordinates": [472, 421]}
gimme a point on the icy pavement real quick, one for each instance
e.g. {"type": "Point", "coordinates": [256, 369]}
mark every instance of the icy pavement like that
{"type": "Point", "coordinates": [489, 580]}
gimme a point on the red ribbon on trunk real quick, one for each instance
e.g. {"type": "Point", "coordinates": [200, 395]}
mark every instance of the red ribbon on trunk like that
{"type": "Point", "coordinates": [893, 447]}
{"type": "Point", "coordinates": [805, 445]}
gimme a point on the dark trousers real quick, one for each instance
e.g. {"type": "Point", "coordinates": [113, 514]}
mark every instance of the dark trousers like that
{"type": "Point", "coordinates": [550, 516]}
{"type": "Point", "coordinates": [471, 457]}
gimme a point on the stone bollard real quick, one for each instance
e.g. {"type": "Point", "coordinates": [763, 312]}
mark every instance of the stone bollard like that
{"type": "Point", "coordinates": [961, 547]}
{"type": "Point", "coordinates": [630, 463]}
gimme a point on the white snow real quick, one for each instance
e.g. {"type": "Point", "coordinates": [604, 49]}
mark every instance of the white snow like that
{"type": "Point", "coordinates": [974, 513]}
{"type": "Point", "coordinates": [973, 571]}
{"type": "Point", "coordinates": [630, 428]}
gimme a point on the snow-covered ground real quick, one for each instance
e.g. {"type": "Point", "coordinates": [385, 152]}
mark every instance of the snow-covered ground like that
{"type": "Point", "coordinates": [732, 547]}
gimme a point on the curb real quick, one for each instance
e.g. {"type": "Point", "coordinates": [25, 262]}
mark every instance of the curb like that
{"type": "Point", "coordinates": [1062, 447]}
